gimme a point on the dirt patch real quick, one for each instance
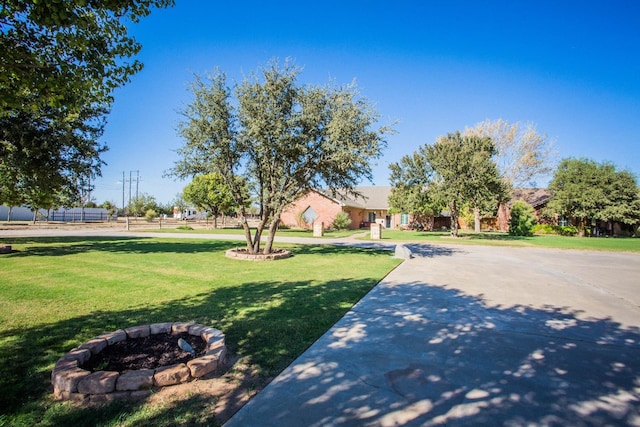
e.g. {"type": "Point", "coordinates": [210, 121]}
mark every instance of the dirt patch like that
{"type": "Point", "coordinates": [219, 396]}
{"type": "Point", "coordinates": [149, 352]}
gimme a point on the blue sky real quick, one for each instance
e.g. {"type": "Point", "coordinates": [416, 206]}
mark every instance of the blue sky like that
{"type": "Point", "coordinates": [570, 67]}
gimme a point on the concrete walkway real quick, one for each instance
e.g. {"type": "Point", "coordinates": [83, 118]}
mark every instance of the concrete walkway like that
{"type": "Point", "coordinates": [469, 335]}
{"type": "Point", "coordinates": [465, 335]}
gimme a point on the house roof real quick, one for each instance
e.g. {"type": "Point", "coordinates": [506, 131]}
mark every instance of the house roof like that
{"type": "Point", "coordinates": [371, 197]}
{"type": "Point", "coordinates": [536, 197]}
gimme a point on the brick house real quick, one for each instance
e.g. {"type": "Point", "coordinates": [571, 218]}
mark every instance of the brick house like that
{"type": "Point", "coordinates": [316, 205]}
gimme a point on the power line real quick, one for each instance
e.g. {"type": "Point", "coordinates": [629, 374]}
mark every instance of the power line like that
{"type": "Point", "coordinates": [130, 181]}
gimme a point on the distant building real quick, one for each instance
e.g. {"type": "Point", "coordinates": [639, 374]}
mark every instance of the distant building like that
{"type": "Point", "coordinates": [24, 213]}
{"type": "Point", "coordinates": [188, 214]}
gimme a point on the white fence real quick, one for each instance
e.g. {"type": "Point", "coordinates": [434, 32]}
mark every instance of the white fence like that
{"type": "Point", "coordinates": [22, 213]}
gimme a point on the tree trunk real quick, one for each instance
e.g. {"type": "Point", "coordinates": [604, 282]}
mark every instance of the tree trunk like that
{"type": "Point", "coordinates": [247, 235]}
{"type": "Point", "coordinates": [581, 227]}
{"type": "Point", "coordinates": [273, 228]}
{"type": "Point", "coordinates": [431, 222]}
{"type": "Point", "coordinates": [454, 219]}
{"type": "Point", "coordinates": [476, 220]}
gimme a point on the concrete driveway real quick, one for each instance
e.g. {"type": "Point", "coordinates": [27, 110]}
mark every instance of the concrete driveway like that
{"type": "Point", "coordinates": [464, 335]}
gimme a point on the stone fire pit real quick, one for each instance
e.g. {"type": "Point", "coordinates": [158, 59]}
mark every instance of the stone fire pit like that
{"type": "Point", "coordinates": [71, 382]}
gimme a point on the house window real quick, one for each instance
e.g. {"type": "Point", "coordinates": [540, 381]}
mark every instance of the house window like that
{"type": "Point", "coordinates": [563, 221]}
{"type": "Point", "coordinates": [404, 219]}
{"type": "Point", "coordinates": [309, 215]}
{"type": "Point", "coordinates": [372, 217]}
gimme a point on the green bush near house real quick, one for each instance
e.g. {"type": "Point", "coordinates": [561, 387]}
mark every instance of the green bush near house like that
{"type": "Point", "coordinates": [523, 219]}
{"type": "Point", "coordinates": [341, 221]}
{"type": "Point", "coordinates": [555, 229]}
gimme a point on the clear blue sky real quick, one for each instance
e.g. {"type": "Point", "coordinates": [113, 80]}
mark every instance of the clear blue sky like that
{"type": "Point", "coordinates": [570, 67]}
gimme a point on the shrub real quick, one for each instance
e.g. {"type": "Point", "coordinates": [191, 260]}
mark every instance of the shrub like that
{"type": "Point", "coordinates": [555, 229]}
{"type": "Point", "coordinates": [523, 218]}
{"type": "Point", "coordinates": [545, 229]}
{"type": "Point", "coordinates": [568, 231]}
{"type": "Point", "coordinates": [341, 221]}
{"type": "Point", "coordinates": [184, 227]}
{"type": "Point", "coordinates": [150, 215]}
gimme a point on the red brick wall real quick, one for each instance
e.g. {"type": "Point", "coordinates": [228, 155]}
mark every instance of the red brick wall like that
{"type": "Point", "coordinates": [326, 208]}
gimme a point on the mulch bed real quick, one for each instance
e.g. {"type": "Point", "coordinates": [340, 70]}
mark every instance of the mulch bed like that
{"type": "Point", "coordinates": [145, 353]}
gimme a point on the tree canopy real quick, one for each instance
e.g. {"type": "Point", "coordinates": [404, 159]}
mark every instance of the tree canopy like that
{"type": "Point", "coordinates": [456, 170]}
{"type": "Point", "coordinates": [59, 64]}
{"type": "Point", "coordinates": [282, 138]}
{"type": "Point", "coordinates": [587, 190]}
{"type": "Point", "coordinates": [522, 154]}
{"type": "Point", "coordinates": [410, 179]}
{"type": "Point", "coordinates": [209, 192]}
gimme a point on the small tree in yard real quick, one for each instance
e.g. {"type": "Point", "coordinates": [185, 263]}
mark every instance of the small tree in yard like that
{"type": "Point", "coordinates": [209, 192]}
{"type": "Point", "coordinates": [523, 219]}
{"type": "Point", "coordinates": [410, 178]}
{"type": "Point", "coordinates": [341, 221]}
{"type": "Point", "coordinates": [281, 139]}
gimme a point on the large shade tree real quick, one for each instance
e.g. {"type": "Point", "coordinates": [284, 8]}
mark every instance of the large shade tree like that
{"type": "Point", "coordinates": [279, 136]}
{"type": "Point", "coordinates": [59, 64]}
{"type": "Point", "coordinates": [457, 170]}
{"type": "Point", "coordinates": [586, 190]}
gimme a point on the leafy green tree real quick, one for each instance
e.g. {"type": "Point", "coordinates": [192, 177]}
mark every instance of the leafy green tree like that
{"type": "Point", "coordinates": [410, 179]}
{"type": "Point", "coordinates": [61, 53]}
{"type": "Point", "coordinates": [59, 64]}
{"type": "Point", "coordinates": [210, 193]}
{"type": "Point", "coordinates": [139, 205]}
{"type": "Point", "coordinates": [587, 191]}
{"type": "Point", "coordinates": [284, 139]}
{"type": "Point", "coordinates": [110, 207]}
{"type": "Point", "coordinates": [522, 220]}
{"type": "Point", "coordinates": [465, 173]}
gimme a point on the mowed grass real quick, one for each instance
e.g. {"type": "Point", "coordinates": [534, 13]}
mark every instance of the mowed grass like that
{"type": "Point", "coordinates": [625, 244]}
{"type": "Point", "coordinates": [56, 293]}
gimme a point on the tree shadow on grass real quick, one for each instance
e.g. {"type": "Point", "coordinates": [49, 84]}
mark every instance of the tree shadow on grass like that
{"type": "Point", "coordinates": [269, 322]}
{"type": "Point", "coordinates": [62, 246]}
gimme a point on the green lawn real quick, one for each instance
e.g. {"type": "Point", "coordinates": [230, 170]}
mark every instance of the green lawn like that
{"type": "Point", "coordinates": [56, 293]}
{"type": "Point", "coordinates": [503, 239]}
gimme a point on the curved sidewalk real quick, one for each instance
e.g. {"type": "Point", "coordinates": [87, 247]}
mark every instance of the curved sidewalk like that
{"type": "Point", "coordinates": [465, 335]}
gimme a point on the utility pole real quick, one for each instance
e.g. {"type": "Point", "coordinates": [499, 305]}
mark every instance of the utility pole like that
{"type": "Point", "coordinates": [123, 181]}
{"type": "Point", "coordinates": [137, 182]}
{"type": "Point", "coordinates": [130, 172]}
